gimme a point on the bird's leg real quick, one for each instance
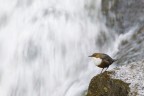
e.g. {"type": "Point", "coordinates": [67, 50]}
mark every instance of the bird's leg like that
{"type": "Point", "coordinates": [106, 68]}
{"type": "Point", "coordinates": [102, 70]}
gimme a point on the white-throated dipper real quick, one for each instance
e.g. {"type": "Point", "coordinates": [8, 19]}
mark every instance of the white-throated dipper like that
{"type": "Point", "coordinates": [106, 60]}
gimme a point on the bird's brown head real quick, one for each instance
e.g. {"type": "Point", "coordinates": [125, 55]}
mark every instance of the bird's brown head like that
{"type": "Point", "coordinates": [96, 55]}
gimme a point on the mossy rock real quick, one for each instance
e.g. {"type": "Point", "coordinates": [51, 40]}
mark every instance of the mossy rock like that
{"type": "Point", "coordinates": [104, 85]}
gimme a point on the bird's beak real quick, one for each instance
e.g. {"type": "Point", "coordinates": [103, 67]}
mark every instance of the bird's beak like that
{"type": "Point", "coordinates": [90, 56]}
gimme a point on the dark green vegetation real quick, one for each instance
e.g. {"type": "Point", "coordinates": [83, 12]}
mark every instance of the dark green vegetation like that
{"type": "Point", "coordinates": [104, 85]}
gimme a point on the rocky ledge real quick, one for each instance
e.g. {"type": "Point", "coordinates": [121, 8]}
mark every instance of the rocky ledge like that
{"type": "Point", "coordinates": [104, 85]}
{"type": "Point", "coordinates": [127, 80]}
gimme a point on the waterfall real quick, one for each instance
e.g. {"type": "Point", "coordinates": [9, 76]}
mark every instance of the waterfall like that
{"type": "Point", "coordinates": [45, 44]}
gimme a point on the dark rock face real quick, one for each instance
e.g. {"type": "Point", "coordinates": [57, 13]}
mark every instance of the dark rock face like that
{"type": "Point", "coordinates": [121, 15]}
{"type": "Point", "coordinates": [104, 85]}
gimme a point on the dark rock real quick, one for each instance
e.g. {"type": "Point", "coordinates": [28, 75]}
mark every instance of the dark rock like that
{"type": "Point", "coordinates": [104, 85]}
{"type": "Point", "coordinates": [121, 15]}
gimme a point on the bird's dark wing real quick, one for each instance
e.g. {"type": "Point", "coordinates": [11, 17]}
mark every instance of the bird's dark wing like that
{"type": "Point", "coordinates": [107, 58]}
{"type": "Point", "coordinates": [106, 62]}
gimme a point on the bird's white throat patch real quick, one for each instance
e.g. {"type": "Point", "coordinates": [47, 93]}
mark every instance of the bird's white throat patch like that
{"type": "Point", "coordinates": [96, 61]}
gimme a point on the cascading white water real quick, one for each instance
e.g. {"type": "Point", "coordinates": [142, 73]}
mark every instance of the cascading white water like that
{"type": "Point", "coordinates": [44, 46]}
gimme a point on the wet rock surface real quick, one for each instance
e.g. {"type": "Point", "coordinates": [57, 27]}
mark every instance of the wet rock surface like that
{"type": "Point", "coordinates": [132, 50]}
{"type": "Point", "coordinates": [121, 15]}
{"type": "Point", "coordinates": [132, 73]}
{"type": "Point", "coordinates": [126, 80]}
{"type": "Point", "coordinates": [104, 85]}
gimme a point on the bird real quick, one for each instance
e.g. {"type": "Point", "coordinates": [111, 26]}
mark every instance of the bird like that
{"type": "Point", "coordinates": [106, 60]}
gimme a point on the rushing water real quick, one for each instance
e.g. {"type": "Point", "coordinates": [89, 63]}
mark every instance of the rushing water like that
{"type": "Point", "coordinates": [44, 46]}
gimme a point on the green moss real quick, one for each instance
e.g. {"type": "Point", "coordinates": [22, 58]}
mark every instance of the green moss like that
{"type": "Point", "coordinates": [104, 85]}
{"type": "Point", "coordinates": [105, 89]}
